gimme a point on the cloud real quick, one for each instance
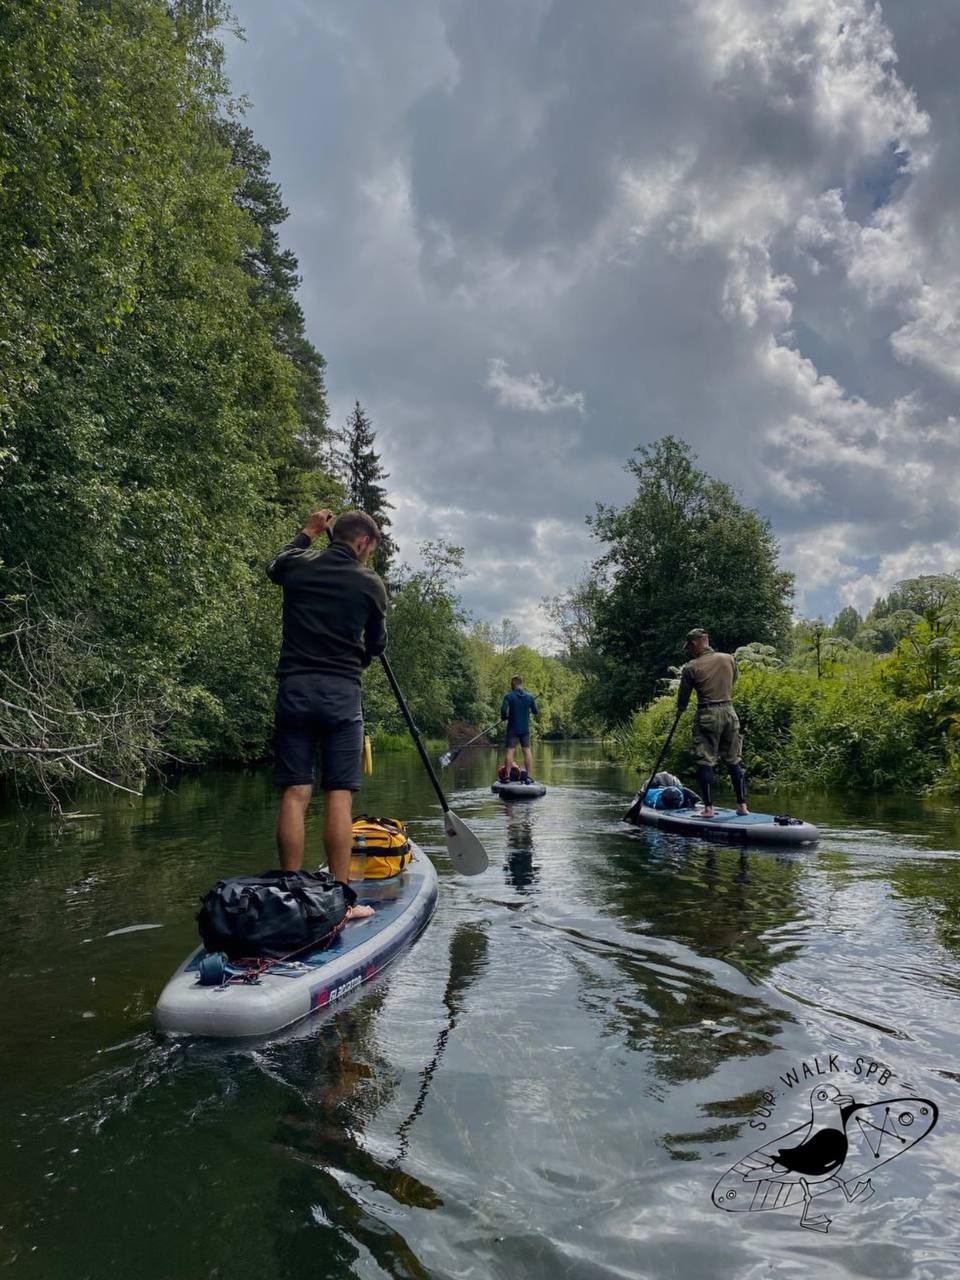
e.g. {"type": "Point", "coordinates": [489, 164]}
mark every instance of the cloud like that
{"type": "Point", "coordinates": [531, 393]}
{"type": "Point", "coordinates": [723, 219]}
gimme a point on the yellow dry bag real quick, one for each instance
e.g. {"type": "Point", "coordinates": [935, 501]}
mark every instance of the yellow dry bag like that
{"type": "Point", "coordinates": [380, 848]}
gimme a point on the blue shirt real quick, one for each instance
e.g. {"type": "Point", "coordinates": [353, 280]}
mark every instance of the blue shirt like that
{"type": "Point", "coordinates": [516, 708]}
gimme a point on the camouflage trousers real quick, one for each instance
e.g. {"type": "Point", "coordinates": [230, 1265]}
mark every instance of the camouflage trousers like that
{"type": "Point", "coordinates": [716, 735]}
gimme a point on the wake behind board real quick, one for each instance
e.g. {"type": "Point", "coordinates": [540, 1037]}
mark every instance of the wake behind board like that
{"type": "Point", "coordinates": [290, 990]}
{"type": "Point", "coordinates": [727, 826]}
{"type": "Point", "coordinates": [519, 790]}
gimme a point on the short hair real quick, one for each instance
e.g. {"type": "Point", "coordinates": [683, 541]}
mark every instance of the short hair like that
{"type": "Point", "coordinates": [516, 681]}
{"type": "Point", "coordinates": [356, 524]}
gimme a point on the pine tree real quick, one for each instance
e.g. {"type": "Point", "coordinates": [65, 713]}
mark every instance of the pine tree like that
{"type": "Point", "coordinates": [362, 472]}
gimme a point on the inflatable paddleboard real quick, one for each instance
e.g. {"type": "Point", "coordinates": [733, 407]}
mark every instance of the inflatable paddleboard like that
{"type": "Point", "coordinates": [519, 790]}
{"type": "Point", "coordinates": [727, 825]}
{"type": "Point", "coordinates": [287, 991]}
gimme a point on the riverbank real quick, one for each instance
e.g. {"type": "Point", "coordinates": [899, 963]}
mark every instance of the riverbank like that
{"type": "Point", "coordinates": [852, 730]}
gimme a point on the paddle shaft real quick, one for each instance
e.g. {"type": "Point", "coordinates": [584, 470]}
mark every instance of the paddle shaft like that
{"type": "Point", "coordinates": [463, 746]}
{"type": "Point", "coordinates": [663, 752]}
{"type": "Point", "coordinates": [414, 732]}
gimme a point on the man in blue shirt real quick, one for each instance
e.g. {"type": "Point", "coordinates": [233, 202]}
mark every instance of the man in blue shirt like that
{"type": "Point", "coordinates": [516, 709]}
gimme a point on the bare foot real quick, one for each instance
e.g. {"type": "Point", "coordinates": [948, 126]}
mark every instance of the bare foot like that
{"type": "Point", "coordinates": [359, 913]}
{"type": "Point", "coordinates": [742, 810]}
{"type": "Point", "coordinates": [709, 811]}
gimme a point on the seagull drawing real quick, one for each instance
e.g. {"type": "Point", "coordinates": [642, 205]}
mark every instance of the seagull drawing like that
{"type": "Point", "coordinates": [816, 1157]}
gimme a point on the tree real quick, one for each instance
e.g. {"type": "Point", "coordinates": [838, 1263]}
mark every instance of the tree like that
{"type": "Point", "coordinates": [507, 635]}
{"type": "Point", "coordinates": [684, 552]}
{"type": "Point", "coordinates": [275, 274]}
{"type": "Point", "coordinates": [152, 390]}
{"type": "Point", "coordinates": [847, 623]}
{"type": "Point", "coordinates": [428, 650]}
{"type": "Point", "coordinates": [363, 473]}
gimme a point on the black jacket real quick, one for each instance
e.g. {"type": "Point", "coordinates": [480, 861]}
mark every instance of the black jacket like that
{"type": "Point", "coordinates": [334, 610]}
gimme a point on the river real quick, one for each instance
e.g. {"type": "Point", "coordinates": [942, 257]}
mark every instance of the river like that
{"type": "Point", "coordinates": [549, 1084]}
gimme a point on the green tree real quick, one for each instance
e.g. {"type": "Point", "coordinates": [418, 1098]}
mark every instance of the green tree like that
{"type": "Point", "coordinates": [428, 650]}
{"type": "Point", "coordinates": [275, 273]}
{"type": "Point", "coordinates": [363, 472]}
{"type": "Point", "coordinates": [847, 623]}
{"type": "Point", "coordinates": [151, 400]}
{"type": "Point", "coordinates": [682, 553]}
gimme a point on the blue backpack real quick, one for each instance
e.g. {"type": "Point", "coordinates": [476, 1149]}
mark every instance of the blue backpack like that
{"type": "Point", "coordinates": [664, 798]}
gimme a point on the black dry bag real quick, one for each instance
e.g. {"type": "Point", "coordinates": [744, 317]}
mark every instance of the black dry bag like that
{"type": "Point", "coordinates": [272, 914]}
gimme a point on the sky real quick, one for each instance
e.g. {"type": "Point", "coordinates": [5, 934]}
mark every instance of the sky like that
{"type": "Point", "coordinates": [536, 234]}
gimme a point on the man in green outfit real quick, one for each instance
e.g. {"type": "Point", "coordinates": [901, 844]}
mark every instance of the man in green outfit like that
{"type": "Point", "coordinates": [716, 729]}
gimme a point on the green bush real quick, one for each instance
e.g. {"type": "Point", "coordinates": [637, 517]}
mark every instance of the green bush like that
{"type": "Point", "coordinates": [852, 731]}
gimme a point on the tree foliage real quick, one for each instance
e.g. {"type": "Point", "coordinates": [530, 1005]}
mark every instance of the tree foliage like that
{"type": "Point", "coordinates": [682, 553]}
{"type": "Point", "coordinates": [427, 648]}
{"type": "Point", "coordinates": [160, 407]}
{"type": "Point", "coordinates": [837, 713]}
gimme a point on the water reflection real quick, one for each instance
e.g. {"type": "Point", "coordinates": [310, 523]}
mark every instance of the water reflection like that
{"type": "Point", "coordinates": [521, 870]}
{"type": "Point", "coordinates": [348, 1195]}
{"type": "Point", "coordinates": [743, 907]}
{"type": "Point", "coordinates": [549, 1084]}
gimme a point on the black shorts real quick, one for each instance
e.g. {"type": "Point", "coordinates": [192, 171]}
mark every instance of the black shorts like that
{"type": "Point", "coordinates": [318, 720]}
{"type": "Point", "coordinates": [514, 738]}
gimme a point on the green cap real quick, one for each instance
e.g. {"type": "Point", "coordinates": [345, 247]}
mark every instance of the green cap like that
{"type": "Point", "coordinates": [697, 633]}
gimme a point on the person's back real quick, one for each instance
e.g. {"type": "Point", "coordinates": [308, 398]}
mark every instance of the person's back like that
{"type": "Point", "coordinates": [334, 611]}
{"type": "Point", "coordinates": [712, 675]}
{"type": "Point", "coordinates": [517, 705]}
{"type": "Point", "coordinates": [516, 708]}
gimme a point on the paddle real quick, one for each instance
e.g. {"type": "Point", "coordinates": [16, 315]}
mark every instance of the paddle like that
{"type": "Point", "coordinates": [466, 852]}
{"type": "Point", "coordinates": [448, 757]}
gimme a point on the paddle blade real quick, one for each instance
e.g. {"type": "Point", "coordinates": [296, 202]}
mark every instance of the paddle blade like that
{"type": "Point", "coordinates": [445, 759]}
{"type": "Point", "coordinates": [466, 852]}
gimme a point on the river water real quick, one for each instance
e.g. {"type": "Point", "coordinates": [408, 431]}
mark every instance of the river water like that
{"type": "Point", "coordinates": [549, 1084]}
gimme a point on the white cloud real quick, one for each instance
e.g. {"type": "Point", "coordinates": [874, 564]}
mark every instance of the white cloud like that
{"type": "Point", "coordinates": [910, 562]}
{"type": "Point", "coordinates": [530, 393]}
{"type": "Point", "coordinates": [725, 219]}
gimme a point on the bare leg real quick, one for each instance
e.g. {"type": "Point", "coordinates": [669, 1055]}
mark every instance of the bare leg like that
{"type": "Point", "coordinates": [510, 751]}
{"type": "Point", "coordinates": [291, 823]}
{"type": "Point", "coordinates": [337, 840]}
{"type": "Point", "coordinates": [528, 761]}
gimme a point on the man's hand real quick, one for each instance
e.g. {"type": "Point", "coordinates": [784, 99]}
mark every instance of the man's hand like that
{"type": "Point", "coordinates": [319, 522]}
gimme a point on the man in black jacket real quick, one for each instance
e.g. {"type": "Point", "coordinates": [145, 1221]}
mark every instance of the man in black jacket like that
{"type": "Point", "coordinates": [334, 625]}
